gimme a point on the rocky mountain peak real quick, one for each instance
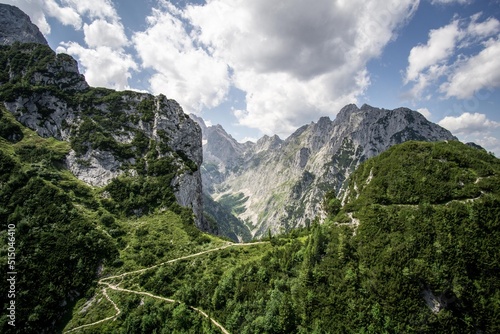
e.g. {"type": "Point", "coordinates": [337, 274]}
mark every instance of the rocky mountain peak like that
{"type": "Point", "coordinates": [113, 136]}
{"type": "Point", "coordinates": [267, 143]}
{"type": "Point", "coordinates": [286, 180]}
{"type": "Point", "coordinates": [16, 26]}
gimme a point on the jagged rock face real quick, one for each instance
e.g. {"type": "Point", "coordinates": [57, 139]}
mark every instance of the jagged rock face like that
{"type": "Point", "coordinates": [110, 132]}
{"type": "Point", "coordinates": [222, 154]}
{"type": "Point", "coordinates": [16, 26]}
{"type": "Point", "coordinates": [284, 182]}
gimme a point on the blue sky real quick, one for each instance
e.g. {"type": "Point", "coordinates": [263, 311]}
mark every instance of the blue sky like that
{"type": "Point", "coordinates": [260, 67]}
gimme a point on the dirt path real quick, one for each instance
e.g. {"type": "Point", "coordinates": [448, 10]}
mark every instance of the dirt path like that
{"type": "Point", "coordinates": [118, 311]}
{"type": "Point", "coordinates": [103, 281]}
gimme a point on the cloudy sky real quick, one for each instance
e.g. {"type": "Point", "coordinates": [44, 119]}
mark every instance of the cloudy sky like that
{"type": "Point", "coordinates": [267, 67]}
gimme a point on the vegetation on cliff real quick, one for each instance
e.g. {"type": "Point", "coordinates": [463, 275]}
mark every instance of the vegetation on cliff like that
{"type": "Point", "coordinates": [376, 266]}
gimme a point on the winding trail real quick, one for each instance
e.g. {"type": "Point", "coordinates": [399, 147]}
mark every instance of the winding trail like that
{"type": "Point", "coordinates": [107, 285]}
{"type": "Point", "coordinates": [118, 311]}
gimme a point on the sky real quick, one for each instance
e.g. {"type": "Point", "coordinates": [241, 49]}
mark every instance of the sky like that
{"type": "Point", "coordinates": [268, 67]}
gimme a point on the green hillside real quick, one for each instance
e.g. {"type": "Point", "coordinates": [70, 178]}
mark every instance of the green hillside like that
{"type": "Point", "coordinates": [67, 232]}
{"type": "Point", "coordinates": [413, 248]}
{"type": "Point", "coordinates": [426, 263]}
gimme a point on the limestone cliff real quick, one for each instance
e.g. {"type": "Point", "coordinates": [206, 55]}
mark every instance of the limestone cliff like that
{"type": "Point", "coordinates": [280, 184]}
{"type": "Point", "coordinates": [111, 133]}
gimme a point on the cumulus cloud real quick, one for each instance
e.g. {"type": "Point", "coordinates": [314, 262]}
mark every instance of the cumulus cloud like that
{"type": "Point", "coordinates": [424, 111]}
{"type": "Point", "coordinates": [65, 15]}
{"type": "Point", "coordinates": [448, 2]}
{"type": "Point", "coordinates": [481, 71]}
{"type": "Point", "coordinates": [468, 123]}
{"type": "Point", "coordinates": [182, 70]}
{"type": "Point", "coordinates": [102, 9]}
{"type": "Point", "coordinates": [440, 47]}
{"type": "Point", "coordinates": [103, 33]}
{"type": "Point", "coordinates": [104, 67]}
{"type": "Point", "coordinates": [295, 61]}
{"type": "Point", "coordinates": [444, 57]}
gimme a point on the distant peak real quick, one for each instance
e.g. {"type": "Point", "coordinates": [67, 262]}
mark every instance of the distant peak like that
{"type": "Point", "coordinates": [266, 138]}
{"type": "Point", "coordinates": [349, 108]}
{"type": "Point", "coordinates": [367, 107]}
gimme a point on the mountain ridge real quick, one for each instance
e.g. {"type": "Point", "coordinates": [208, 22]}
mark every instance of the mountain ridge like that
{"type": "Point", "coordinates": [284, 182]}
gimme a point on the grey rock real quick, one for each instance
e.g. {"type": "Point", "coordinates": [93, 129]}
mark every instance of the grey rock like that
{"type": "Point", "coordinates": [16, 26]}
{"type": "Point", "coordinates": [96, 167]}
{"type": "Point", "coordinates": [286, 180]}
{"type": "Point", "coordinates": [66, 102]}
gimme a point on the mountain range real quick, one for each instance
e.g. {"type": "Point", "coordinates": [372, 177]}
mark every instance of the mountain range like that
{"type": "Point", "coordinates": [276, 185]}
{"type": "Point", "coordinates": [123, 214]}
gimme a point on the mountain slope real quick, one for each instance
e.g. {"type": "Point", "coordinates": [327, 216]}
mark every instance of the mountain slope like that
{"type": "Point", "coordinates": [16, 26]}
{"type": "Point", "coordinates": [382, 264]}
{"type": "Point", "coordinates": [283, 182]}
{"type": "Point", "coordinates": [67, 232]}
{"type": "Point", "coordinates": [78, 167]}
{"type": "Point", "coordinates": [112, 134]}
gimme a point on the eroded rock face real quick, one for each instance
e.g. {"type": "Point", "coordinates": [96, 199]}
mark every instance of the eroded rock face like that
{"type": "Point", "coordinates": [16, 26]}
{"type": "Point", "coordinates": [285, 181]}
{"type": "Point", "coordinates": [109, 131]}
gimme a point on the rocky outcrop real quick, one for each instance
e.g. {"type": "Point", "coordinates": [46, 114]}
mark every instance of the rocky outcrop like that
{"type": "Point", "coordinates": [285, 181]}
{"type": "Point", "coordinates": [111, 133]}
{"type": "Point", "coordinates": [16, 26]}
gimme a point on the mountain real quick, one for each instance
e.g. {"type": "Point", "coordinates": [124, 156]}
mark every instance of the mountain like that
{"type": "Point", "coordinates": [413, 250]}
{"type": "Point", "coordinates": [16, 26]}
{"type": "Point", "coordinates": [79, 167]}
{"type": "Point", "coordinates": [222, 154]}
{"type": "Point", "coordinates": [277, 184]}
{"type": "Point", "coordinates": [112, 134]}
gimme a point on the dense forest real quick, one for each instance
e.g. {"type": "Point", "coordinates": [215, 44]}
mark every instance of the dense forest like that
{"type": "Point", "coordinates": [411, 246]}
{"type": "Point", "coordinates": [385, 262]}
{"type": "Point", "coordinates": [414, 248]}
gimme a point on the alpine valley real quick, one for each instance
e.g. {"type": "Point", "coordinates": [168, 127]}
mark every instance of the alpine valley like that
{"type": "Point", "coordinates": [122, 214]}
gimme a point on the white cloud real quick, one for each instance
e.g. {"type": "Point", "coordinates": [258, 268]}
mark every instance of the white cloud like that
{"type": "Point", "coordinates": [65, 15]}
{"type": "Point", "coordinates": [475, 73]}
{"type": "Point", "coordinates": [475, 128]}
{"type": "Point", "coordinates": [445, 56]}
{"type": "Point", "coordinates": [448, 2]}
{"type": "Point", "coordinates": [294, 60]}
{"type": "Point", "coordinates": [104, 67]}
{"type": "Point", "coordinates": [424, 111]}
{"type": "Point", "coordinates": [483, 29]}
{"type": "Point", "coordinates": [183, 70]}
{"type": "Point", "coordinates": [103, 60]}
{"type": "Point", "coordinates": [103, 33]}
{"type": "Point", "coordinates": [440, 47]}
{"type": "Point", "coordinates": [102, 9]}
{"type": "Point", "coordinates": [490, 143]}
{"type": "Point", "coordinates": [468, 123]}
